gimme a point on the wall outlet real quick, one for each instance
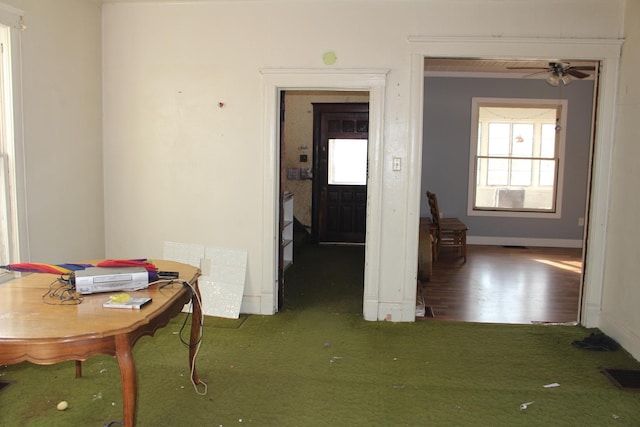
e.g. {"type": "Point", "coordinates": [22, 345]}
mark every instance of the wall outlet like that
{"type": "Point", "coordinates": [397, 164]}
{"type": "Point", "coordinates": [581, 222]}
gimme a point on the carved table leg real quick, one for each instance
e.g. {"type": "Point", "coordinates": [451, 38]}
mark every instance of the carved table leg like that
{"type": "Point", "coordinates": [196, 320]}
{"type": "Point", "coordinates": [128, 378]}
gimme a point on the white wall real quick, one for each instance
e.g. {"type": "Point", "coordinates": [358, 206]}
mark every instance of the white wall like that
{"type": "Point", "coordinates": [62, 115]}
{"type": "Point", "coordinates": [180, 168]}
{"type": "Point", "coordinates": [620, 316]}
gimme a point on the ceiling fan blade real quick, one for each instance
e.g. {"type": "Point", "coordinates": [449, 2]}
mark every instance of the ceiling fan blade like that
{"type": "Point", "coordinates": [577, 74]}
{"type": "Point", "coordinates": [533, 74]}
{"type": "Point", "coordinates": [584, 67]}
{"type": "Point", "coordinates": [528, 68]}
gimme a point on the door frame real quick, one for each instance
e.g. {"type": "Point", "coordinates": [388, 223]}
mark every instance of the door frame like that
{"type": "Point", "coordinates": [274, 81]}
{"type": "Point", "coordinates": [607, 51]}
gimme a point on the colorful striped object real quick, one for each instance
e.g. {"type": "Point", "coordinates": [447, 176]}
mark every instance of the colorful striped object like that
{"type": "Point", "coordinates": [128, 263]}
{"type": "Point", "coordinates": [31, 267]}
{"type": "Point", "coordinates": [62, 269]}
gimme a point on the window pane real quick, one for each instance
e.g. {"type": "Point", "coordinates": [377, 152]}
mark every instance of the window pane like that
{"type": "Point", "coordinates": [522, 140]}
{"type": "Point", "coordinates": [547, 172]}
{"type": "Point", "coordinates": [548, 141]}
{"type": "Point", "coordinates": [347, 162]}
{"type": "Point", "coordinates": [521, 172]}
{"type": "Point", "coordinates": [499, 139]}
{"type": "Point", "coordinates": [498, 172]}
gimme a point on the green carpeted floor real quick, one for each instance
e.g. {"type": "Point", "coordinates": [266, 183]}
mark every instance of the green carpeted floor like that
{"type": "Point", "coordinates": [307, 366]}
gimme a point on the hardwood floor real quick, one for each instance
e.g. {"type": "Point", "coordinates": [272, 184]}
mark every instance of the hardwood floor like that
{"type": "Point", "coordinates": [506, 285]}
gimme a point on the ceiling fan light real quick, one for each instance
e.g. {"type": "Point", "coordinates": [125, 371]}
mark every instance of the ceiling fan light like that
{"type": "Point", "coordinates": [566, 79]}
{"type": "Point", "coordinates": [553, 80]}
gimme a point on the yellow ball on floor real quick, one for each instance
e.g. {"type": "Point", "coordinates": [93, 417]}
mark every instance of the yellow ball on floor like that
{"type": "Point", "coordinates": [62, 405]}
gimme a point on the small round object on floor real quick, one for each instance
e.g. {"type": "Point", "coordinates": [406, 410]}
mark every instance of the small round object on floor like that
{"type": "Point", "coordinates": [62, 405]}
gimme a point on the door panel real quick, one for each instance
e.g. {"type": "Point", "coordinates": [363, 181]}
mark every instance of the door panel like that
{"type": "Point", "coordinates": [340, 163]}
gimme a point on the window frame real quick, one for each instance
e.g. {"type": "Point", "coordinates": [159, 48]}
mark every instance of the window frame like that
{"type": "Point", "coordinates": [476, 103]}
{"type": "Point", "coordinates": [11, 139]}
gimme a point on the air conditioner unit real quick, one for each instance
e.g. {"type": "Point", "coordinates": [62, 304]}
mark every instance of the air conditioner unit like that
{"type": "Point", "coordinates": [509, 198]}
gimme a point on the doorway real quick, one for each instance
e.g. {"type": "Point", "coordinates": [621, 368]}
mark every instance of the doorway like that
{"type": "Point", "coordinates": [446, 148]}
{"type": "Point", "coordinates": [371, 82]}
{"type": "Point", "coordinates": [305, 171]}
{"type": "Point", "coordinates": [607, 53]}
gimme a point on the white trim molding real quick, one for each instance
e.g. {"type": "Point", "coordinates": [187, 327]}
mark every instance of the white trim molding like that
{"type": "Point", "coordinates": [274, 81]}
{"type": "Point", "coordinates": [524, 241]}
{"type": "Point", "coordinates": [607, 51]}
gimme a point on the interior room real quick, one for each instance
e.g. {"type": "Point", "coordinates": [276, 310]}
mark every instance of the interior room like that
{"type": "Point", "coordinates": [131, 124]}
{"type": "Point", "coordinates": [450, 84]}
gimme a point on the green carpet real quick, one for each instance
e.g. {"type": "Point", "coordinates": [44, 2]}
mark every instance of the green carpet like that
{"type": "Point", "coordinates": [326, 278]}
{"type": "Point", "coordinates": [309, 367]}
{"type": "Point", "coordinates": [317, 369]}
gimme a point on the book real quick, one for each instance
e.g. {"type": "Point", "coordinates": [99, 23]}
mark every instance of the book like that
{"type": "Point", "coordinates": [132, 303]}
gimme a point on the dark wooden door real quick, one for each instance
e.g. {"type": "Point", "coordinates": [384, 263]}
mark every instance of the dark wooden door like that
{"type": "Point", "coordinates": [341, 134]}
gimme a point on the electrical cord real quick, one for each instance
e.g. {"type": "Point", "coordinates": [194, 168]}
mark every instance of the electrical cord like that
{"type": "Point", "coordinates": [164, 283]}
{"type": "Point", "coordinates": [62, 294]}
{"type": "Point", "coordinates": [195, 294]}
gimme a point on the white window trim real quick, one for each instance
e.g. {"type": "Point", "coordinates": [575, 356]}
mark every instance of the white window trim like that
{"type": "Point", "coordinates": [11, 20]}
{"type": "Point", "coordinates": [473, 150]}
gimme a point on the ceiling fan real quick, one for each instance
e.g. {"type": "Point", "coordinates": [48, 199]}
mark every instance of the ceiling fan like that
{"type": "Point", "coordinates": [559, 72]}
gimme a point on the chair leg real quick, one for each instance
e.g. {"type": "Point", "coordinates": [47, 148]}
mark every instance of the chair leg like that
{"type": "Point", "coordinates": [464, 245]}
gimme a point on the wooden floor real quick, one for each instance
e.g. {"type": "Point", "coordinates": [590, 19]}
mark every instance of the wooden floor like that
{"type": "Point", "coordinates": [506, 285]}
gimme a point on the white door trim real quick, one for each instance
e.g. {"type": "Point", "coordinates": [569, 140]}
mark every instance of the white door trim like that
{"type": "Point", "coordinates": [607, 51]}
{"type": "Point", "coordinates": [273, 82]}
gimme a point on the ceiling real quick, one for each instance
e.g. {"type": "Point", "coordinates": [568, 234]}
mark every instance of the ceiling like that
{"type": "Point", "coordinates": [492, 67]}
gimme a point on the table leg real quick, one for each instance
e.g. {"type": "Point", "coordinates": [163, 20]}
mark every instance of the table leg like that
{"type": "Point", "coordinates": [128, 378]}
{"type": "Point", "coordinates": [196, 329]}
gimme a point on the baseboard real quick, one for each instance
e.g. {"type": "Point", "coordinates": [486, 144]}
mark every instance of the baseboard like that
{"type": "Point", "coordinates": [590, 317]}
{"type": "Point", "coordinates": [370, 309]}
{"type": "Point", "coordinates": [627, 338]}
{"type": "Point", "coordinates": [523, 241]}
{"type": "Point", "coordinates": [397, 312]}
{"type": "Point", "coordinates": [252, 304]}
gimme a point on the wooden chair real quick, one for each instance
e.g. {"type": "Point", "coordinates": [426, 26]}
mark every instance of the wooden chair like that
{"type": "Point", "coordinates": [450, 232]}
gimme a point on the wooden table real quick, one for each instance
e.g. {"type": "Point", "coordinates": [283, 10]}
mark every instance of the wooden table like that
{"type": "Point", "coordinates": [33, 331]}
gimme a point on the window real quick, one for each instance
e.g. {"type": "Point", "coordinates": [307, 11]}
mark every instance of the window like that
{"type": "Point", "coordinates": [516, 157]}
{"type": "Point", "coordinates": [347, 162]}
{"type": "Point", "coordinates": [9, 248]}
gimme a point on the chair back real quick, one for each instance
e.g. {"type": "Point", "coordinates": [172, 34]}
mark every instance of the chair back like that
{"type": "Point", "coordinates": [433, 207]}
